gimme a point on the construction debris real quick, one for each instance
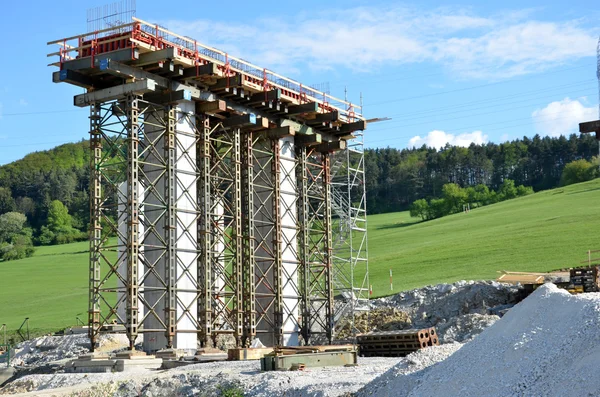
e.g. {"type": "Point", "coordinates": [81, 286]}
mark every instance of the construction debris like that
{"type": "Point", "coordinates": [459, 311]}
{"type": "Point", "coordinates": [396, 343]}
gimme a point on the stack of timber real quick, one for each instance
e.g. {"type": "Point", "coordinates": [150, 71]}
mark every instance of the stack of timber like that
{"type": "Point", "coordinates": [396, 343]}
{"type": "Point", "coordinates": [584, 280]}
{"type": "Point", "coordinates": [300, 357]}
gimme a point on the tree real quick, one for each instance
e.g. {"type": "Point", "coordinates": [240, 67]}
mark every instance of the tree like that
{"type": "Point", "coordinates": [58, 216]}
{"type": "Point", "coordinates": [507, 190]}
{"type": "Point", "coordinates": [437, 208]}
{"type": "Point", "coordinates": [454, 196]}
{"type": "Point", "coordinates": [577, 171]}
{"type": "Point", "coordinates": [15, 238]}
{"type": "Point", "coordinates": [7, 203]}
{"type": "Point", "coordinates": [419, 208]}
{"type": "Point", "coordinates": [524, 190]}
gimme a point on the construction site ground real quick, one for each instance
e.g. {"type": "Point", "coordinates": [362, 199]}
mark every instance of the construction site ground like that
{"type": "Point", "coordinates": [460, 311]}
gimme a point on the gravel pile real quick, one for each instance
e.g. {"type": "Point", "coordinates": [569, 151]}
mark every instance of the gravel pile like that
{"type": "Point", "coordinates": [48, 349]}
{"type": "Point", "coordinates": [548, 345]}
{"type": "Point", "coordinates": [459, 311]}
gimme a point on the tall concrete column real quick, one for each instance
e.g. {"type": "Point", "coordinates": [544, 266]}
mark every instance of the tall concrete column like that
{"type": "Point", "coordinates": [183, 186]}
{"type": "Point", "coordinates": [289, 248]}
{"type": "Point", "coordinates": [122, 251]}
{"type": "Point", "coordinates": [187, 242]}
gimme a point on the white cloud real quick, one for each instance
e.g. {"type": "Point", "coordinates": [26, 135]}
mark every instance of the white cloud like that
{"type": "Point", "coordinates": [366, 38]}
{"type": "Point", "coordinates": [438, 139]}
{"type": "Point", "coordinates": [562, 117]}
{"type": "Point", "coordinates": [23, 102]}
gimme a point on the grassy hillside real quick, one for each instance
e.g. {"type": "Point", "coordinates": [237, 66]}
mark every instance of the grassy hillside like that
{"type": "Point", "coordinates": [545, 231]}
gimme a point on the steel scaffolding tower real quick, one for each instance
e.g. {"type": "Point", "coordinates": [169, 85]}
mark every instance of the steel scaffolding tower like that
{"type": "Point", "coordinates": [213, 198]}
{"type": "Point", "coordinates": [350, 270]}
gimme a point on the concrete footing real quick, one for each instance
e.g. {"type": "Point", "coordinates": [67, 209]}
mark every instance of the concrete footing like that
{"type": "Point", "coordinates": [127, 361]}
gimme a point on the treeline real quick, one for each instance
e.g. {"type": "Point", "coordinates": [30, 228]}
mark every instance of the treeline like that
{"type": "Point", "coordinates": [455, 199]}
{"type": "Point", "coordinates": [50, 188]}
{"type": "Point", "coordinates": [396, 178]}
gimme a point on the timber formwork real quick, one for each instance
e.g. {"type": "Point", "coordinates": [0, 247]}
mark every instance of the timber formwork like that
{"type": "Point", "coordinates": [211, 192]}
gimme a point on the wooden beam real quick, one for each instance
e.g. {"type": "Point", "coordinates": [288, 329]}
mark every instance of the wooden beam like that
{"type": "Point", "coordinates": [308, 140]}
{"type": "Point", "coordinates": [268, 96]}
{"type": "Point", "coordinates": [324, 118]}
{"type": "Point", "coordinates": [310, 107]}
{"type": "Point", "coordinates": [328, 147]}
{"type": "Point", "coordinates": [211, 107]}
{"type": "Point", "coordinates": [234, 81]}
{"type": "Point", "coordinates": [351, 127]}
{"type": "Point", "coordinates": [279, 132]}
{"type": "Point", "coordinates": [210, 69]}
{"type": "Point", "coordinates": [589, 126]}
{"type": "Point", "coordinates": [262, 122]}
{"type": "Point", "coordinates": [245, 120]}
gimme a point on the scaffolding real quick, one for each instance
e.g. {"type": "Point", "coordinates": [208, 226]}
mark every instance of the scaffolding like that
{"type": "Point", "coordinates": [226, 200]}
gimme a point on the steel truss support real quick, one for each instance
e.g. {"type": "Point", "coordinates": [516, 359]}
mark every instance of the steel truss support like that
{"type": "Point", "coordinates": [142, 175]}
{"type": "Point", "coordinates": [221, 230]}
{"type": "Point", "coordinates": [315, 244]}
{"type": "Point", "coordinates": [350, 253]}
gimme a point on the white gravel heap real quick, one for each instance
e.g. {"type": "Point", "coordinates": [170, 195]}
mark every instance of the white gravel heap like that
{"type": "Point", "coordinates": [548, 345]}
{"type": "Point", "coordinates": [459, 311]}
{"type": "Point", "coordinates": [50, 349]}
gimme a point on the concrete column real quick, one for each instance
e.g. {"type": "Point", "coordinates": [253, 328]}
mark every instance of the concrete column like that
{"type": "Point", "coordinates": [121, 252]}
{"type": "Point", "coordinates": [154, 241]}
{"type": "Point", "coordinates": [187, 243]}
{"type": "Point", "coordinates": [289, 251]}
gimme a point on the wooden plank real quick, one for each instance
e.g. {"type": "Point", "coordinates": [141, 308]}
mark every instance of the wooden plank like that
{"type": "Point", "coordinates": [211, 107]}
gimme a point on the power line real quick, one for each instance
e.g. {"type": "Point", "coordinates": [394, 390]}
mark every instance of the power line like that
{"type": "Point", "coordinates": [477, 126]}
{"type": "Point", "coordinates": [455, 118]}
{"type": "Point", "coordinates": [496, 99]}
{"type": "Point", "coordinates": [471, 88]}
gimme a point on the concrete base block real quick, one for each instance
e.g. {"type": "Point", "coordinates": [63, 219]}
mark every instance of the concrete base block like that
{"type": "Point", "coordinates": [138, 364]}
{"type": "Point", "coordinates": [90, 365]}
{"type": "Point", "coordinates": [170, 354]}
{"type": "Point", "coordinates": [204, 358]}
{"type": "Point", "coordinates": [6, 374]}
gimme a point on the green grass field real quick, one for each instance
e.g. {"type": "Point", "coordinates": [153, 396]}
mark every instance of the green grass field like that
{"type": "Point", "coordinates": [545, 231]}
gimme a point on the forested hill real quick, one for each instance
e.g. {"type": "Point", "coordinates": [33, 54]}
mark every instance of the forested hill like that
{"type": "Point", "coordinates": [395, 178]}
{"type": "Point", "coordinates": [29, 185]}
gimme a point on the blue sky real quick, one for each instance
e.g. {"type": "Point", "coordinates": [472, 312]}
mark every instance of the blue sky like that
{"type": "Point", "coordinates": [444, 72]}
